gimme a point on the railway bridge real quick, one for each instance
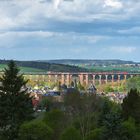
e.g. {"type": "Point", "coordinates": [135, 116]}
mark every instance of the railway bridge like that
{"type": "Point", "coordinates": [84, 77]}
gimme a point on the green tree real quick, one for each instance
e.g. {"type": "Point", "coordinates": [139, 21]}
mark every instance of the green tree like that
{"type": "Point", "coordinates": [133, 83]}
{"type": "Point", "coordinates": [108, 88]}
{"type": "Point", "coordinates": [112, 126]}
{"type": "Point", "coordinates": [35, 130]}
{"type": "Point", "coordinates": [46, 103]}
{"type": "Point", "coordinates": [56, 119]}
{"type": "Point", "coordinates": [131, 105]}
{"type": "Point", "coordinates": [105, 109]}
{"type": "Point", "coordinates": [71, 134]}
{"type": "Point", "coordinates": [110, 120]}
{"type": "Point", "coordinates": [15, 103]}
{"type": "Point", "coordinates": [96, 134]}
{"type": "Point", "coordinates": [128, 130]}
{"type": "Point", "coordinates": [82, 110]}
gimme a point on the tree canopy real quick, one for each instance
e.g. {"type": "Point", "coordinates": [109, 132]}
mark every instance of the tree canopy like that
{"type": "Point", "coordinates": [15, 103]}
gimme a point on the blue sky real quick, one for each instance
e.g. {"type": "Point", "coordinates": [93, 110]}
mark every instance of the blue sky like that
{"type": "Point", "coordinates": [70, 29]}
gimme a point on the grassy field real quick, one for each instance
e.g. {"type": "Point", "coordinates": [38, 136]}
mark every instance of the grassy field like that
{"type": "Point", "coordinates": [111, 68]}
{"type": "Point", "coordinates": [24, 69]}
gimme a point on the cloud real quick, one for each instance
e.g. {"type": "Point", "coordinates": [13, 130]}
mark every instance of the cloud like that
{"type": "Point", "coordinates": [44, 38]}
{"type": "Point", "coordinates": [19, 39]}
{"type": "Point", "coordinates": [56, 3]}
{"type": "Point", "coordinates": [70, 25]}
{"type": "Point", "coordinates": [123, 49]}
{"type": "Point", "coordinates": [27, 34]}
{"type": "Point", "coordinates": [113, 4]}
{"type": "Point", "coordinates": [131, 31]}
{"type": "Point", "coordinates": [34, 14]}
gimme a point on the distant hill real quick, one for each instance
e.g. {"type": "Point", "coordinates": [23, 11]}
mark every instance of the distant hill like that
{"type": "Point", "coordinates": [101, 65]}
{"type": "Point", "coordinates": [88, 62]}
{"type": "Point", "coordinates": [76, 65]}
{"type": "Point", "coordinates": [33, 66]}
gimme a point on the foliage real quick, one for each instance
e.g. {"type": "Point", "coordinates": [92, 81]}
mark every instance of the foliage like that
{"type": "Point", "coordinates": [71, 134]}
{"type": "Point", "coordinates": [106, 109]}
{"type": "Point", "coordinates": [96, 134]}
{"type": "Point", "coordinates": [72, 98]}
{"type": "Point", "coordinates": [46, 103]}
{"type": "Point", "coordinates": [15, 103]}
{"type": "Point", "coordinates": [131, 105]}
{"type": "Point", "coordinates": [133, 83]}
{"type": "Point", "coordinates": [35, 130]}
{"type": "Point", "coordinates": [108, 88]}
{"type": "Point", "coordinates": [112, 126]}
{"type": "Point", "coordinates": [128, 130]}
{"type": "Point", "coordinates": [82, 110]}
{"type": "Point", "coordinates": [109, 120]}
{"type": "Point", "coordinates": [56, 120]}
{"type": "Point", "coordinates": [80, 87]}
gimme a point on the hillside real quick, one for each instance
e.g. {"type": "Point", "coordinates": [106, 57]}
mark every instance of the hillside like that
{"type": "Point", "coordinates": [89, 62]}
{"type": "Point", "coordinates": [75, 66]}
{"type": "Point", "coordinates": [24, 69]}
{"type": "Point", "coordinates": [101, 65]}
{"type": "Point", "coordinates": [32, 66]}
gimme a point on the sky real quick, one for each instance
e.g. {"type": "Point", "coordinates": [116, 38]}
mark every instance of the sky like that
{"type": "Point", "coordinates": [70, 29]}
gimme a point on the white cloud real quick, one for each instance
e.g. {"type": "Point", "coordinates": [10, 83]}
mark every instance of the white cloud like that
{"type": "Point", "coordinates": [113, 4]}
{"type": "Point", "coordinates": [11, 39]}
{"type": "Point", "coordinates": [133, 30]}
{"type": "Point", "coordinates": [95, 39]}
{"type": "Point", "coordinates": [34, 13]}
{"type": "Point", "coordinates": [56, 3]}
{"type": "Point", "coordinates": [17, 38]}
{"type": "Point", "coordinates": [27, 34]}
{"type": "Point", "coordinates": [123, 49]}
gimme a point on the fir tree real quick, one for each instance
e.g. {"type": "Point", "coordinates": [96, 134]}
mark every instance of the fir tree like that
{"type": "Point", "coordinates": [15, 103]}
{"type": "Point", "coordinates": [131, 105]}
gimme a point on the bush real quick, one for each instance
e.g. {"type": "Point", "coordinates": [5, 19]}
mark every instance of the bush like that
{"type": "Point", "coordinates": [56, 119]}
{"type": "Point", "coordinates": [95, 134]}
{"type": "Point", "coordinates": [35, 130]}
{"type": "Point", "coordinates": [71, 134]}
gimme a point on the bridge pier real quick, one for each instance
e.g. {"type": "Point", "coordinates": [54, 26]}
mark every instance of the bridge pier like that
{"type": "Point", "coordinates": [87, 80]}
{"type": "Point", "coordinates": [106, 79]}
{"type": "Point", "coordinates": [100, 79]}
{"type": "Point", "coordinates": [68, 79]}
{"type": "Point", "coordinates": [62, 79]}
{"type": "Point", "coordinates": [81, 77]}
{"type": "Point", "coordinates": [84, 78]}
{"type": "Point", "coordinates": [119, 78]}
{"type": "Point", "coordinates": [93, 80]}
{"type": "Point", "coordinates": [125, 78]}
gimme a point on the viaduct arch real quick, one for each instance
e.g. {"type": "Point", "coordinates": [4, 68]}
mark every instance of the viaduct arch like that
{"type": "Point", "coordinates": [83, 77]}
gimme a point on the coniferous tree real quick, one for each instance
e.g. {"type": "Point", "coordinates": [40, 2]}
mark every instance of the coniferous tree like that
{"type": "Point", "coordinates": [131, 105]}
{"type": "Point", "coordinates": [15, 103]}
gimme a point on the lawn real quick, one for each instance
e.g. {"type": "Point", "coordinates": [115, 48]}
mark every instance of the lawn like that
{"type": "Point", "coordinates": [111, 68]}
{"type": "Point", "coordinates": [24, 69]}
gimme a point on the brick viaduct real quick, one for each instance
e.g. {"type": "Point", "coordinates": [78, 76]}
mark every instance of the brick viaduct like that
{"type": "Point", "coordinates": [84, 77]}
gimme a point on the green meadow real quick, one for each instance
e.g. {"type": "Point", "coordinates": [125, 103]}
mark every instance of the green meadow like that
{"type": "Point", "coordinates": [111, 68]}
{"type": "Point", "coordinates": [23, 69]}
